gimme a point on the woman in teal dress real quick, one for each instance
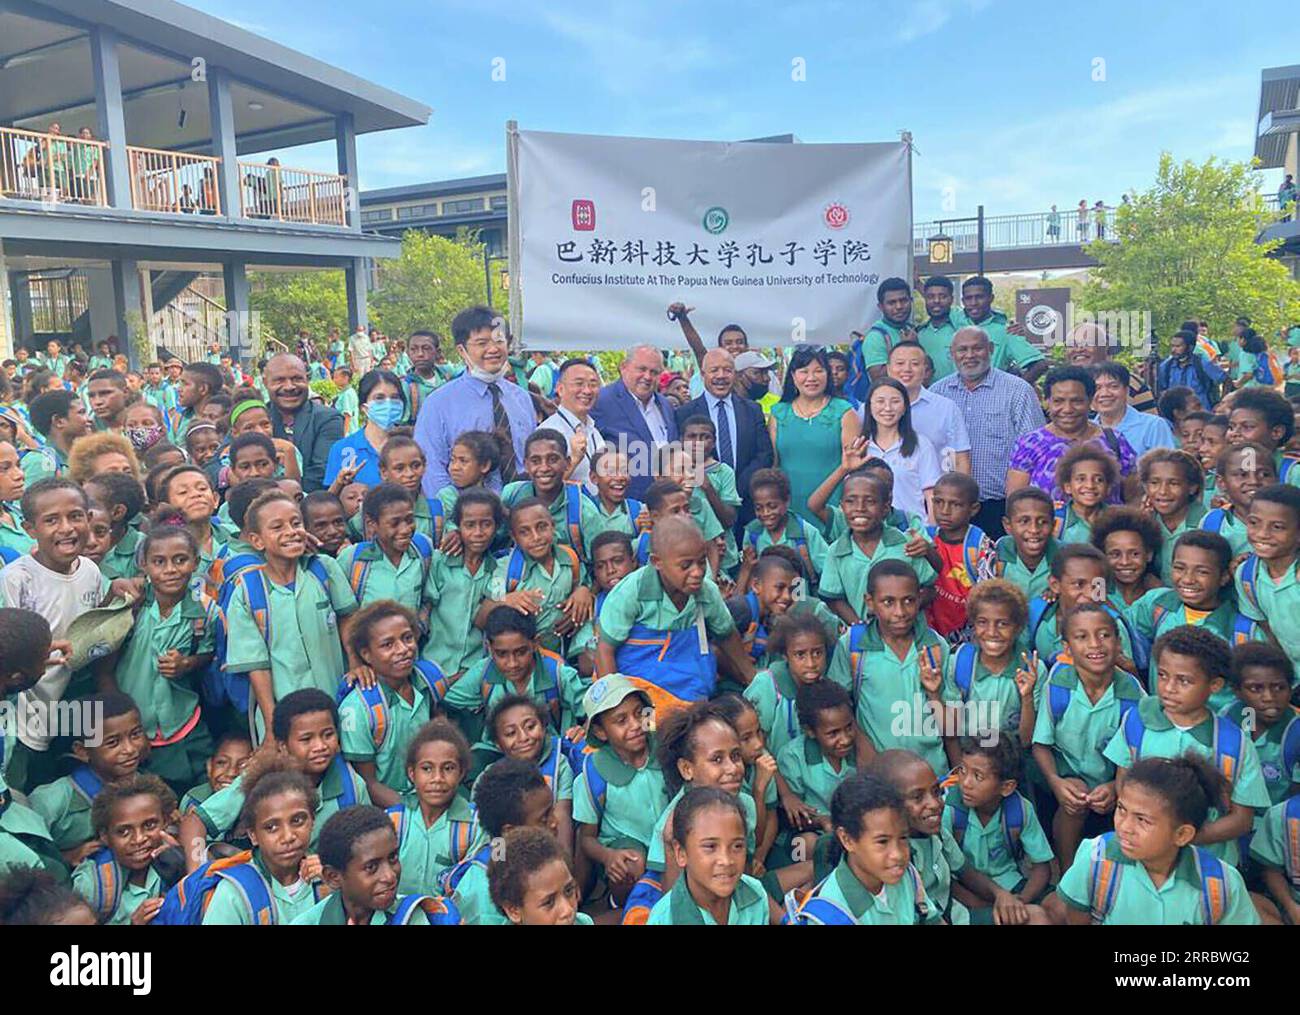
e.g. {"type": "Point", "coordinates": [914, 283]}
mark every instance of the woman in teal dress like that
{"type": "Point", "coordinates": [810, 428]}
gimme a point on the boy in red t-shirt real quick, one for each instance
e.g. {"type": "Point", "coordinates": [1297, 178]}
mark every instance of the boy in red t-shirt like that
{"type": "Point", "coordinates": [967, 553]}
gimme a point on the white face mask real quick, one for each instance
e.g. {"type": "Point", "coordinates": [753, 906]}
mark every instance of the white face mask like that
{"type": "Point", "coordinates": [479, 374]}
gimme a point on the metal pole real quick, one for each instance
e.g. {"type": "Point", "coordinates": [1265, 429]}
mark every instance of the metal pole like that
{"type": "Point", "coordinates": [979, 217]}
{"type": "Point", "coordinates": [487, 276]}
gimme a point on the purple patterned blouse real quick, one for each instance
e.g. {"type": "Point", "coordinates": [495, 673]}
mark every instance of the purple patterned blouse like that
{"type": "Point", "coordinates": [1038, 451]}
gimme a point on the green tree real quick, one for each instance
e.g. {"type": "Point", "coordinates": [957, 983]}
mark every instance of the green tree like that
{"type": "Point", "coordinates": [1187, 248]}
{"type": "Point", "coordinates": [433, 280]}
{"type": "Point", "coordinates": [288, 301]}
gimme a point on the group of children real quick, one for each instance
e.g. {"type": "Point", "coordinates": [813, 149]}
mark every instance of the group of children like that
{"type": "Point", "coordinates": [550, 706]}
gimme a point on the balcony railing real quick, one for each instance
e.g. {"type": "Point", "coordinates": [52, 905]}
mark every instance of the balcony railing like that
{"type": "Point", "coordinates": [173, 181]}
{"type": "Point", "coordinates": [268, 191]}
{"type": "Point", "coordinates": [51, 168]}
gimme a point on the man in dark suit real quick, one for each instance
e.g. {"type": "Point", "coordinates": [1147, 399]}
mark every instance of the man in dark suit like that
{"type": "Point", "coordinates": [743, 441]}
{"type": "Point", "coordinates": [313, 428]}
{"type": "Point", "coordinates": [632, 416]}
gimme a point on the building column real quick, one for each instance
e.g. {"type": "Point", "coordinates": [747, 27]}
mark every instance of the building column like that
{"type": "Point", "coordinates": [112, 119]}
{"type": "Point", "coordinates": [345, 134]}
{"type": "Point", "coordinates": [239, 330]}
{"type": "Point", "coordinates": [221, 110]}
{"type": "Point", "coordinates": [6, 311]}
{"type": "Point", "coordinates": [20, 295]}
{"type": "Point", "coordinates": [128, 304]}
{"type": "Point", "coordinates": [355, 283]}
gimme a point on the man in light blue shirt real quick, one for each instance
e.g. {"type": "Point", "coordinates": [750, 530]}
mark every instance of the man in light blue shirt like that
{"type": "Point", "coordinates": [480, 399]}
{"type": "Point", "coordinates": [1141, 429]}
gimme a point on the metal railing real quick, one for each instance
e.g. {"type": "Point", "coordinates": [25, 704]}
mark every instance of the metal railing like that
{"type": "Point", "coordinates": [189, 324]}
{"type": "Point", "coordinates": [53, 168]}
{"type": "Point", "coordinates": [173, 181]}
{"type": "Point", "coordinates": [269, 191]}
{"type": "Point", "coordinates": [1037, 229]}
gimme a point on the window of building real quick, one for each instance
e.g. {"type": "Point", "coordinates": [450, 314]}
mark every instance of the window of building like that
{"type": "Point", "coordinates": [499, 203]}
{"type": "Point", "coordinates": [383, 215]}
{"type": "Point", "coordinates": [462, 207]}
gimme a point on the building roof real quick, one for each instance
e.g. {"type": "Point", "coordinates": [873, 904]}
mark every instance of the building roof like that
{"type": "Point", "coordinates": [1279, 93]}
{"type": "Point", "coordinates": [434, 188]}
{"type": "Point", "coordinates": [283, 97]}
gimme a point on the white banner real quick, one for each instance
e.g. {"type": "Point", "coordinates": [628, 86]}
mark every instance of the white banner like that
{"type": "Point", "coordinates": [787, 240]}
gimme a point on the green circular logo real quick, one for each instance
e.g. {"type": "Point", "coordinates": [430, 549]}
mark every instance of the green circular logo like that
{"type": "Point", "coordinates": [716, 220]}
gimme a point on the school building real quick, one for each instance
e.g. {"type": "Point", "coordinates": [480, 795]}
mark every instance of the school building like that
{"type": "Point", "coordinates": [1277, 146]}
{"type": "Point", "coordinates": [137, 188]}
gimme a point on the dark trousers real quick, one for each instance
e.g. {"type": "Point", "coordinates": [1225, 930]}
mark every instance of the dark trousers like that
{"type": "Point", "coordinates": [990, 518]}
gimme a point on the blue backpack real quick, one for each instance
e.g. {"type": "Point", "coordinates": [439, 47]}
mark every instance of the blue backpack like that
{"type": "Point", "coordinates": [460, 834]}
{"type": "Point", "coordinates": [1013, 821]}
{"type": "Point", "coordinates": [970, 550]}
{"type": "Point", "coordinates": [1104, 876]}
{"type": "Point", "coordinates": [188, 899]}
{"type": "Point", "coordinates": [439, 911]}
{"type": "Point", "coordinates": [450, 879]}
{"type": "Point", "coordinates": [1061, 682]}
{"type": "Point", "coordinates": [1229, 743]}
{"type": "Point", "coordinates": [377, 705]}
{"type": "Point", "coordinates": [807, 908]}
{"type": "Point", "coordinates": [360, 571]}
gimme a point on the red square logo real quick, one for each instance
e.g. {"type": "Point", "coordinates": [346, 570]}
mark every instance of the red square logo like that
{"type": "Point", "coordinates": [584, 215]}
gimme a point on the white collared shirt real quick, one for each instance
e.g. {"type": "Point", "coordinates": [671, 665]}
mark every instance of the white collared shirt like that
{"type": "Point", "coordinates": [938, 419]}
{"type": "Point", "coordinates": [913, 474]}
{"type": "Point", "coordinates": [568, 423]}
{"type": "Point", "coordinates": [654, 419]}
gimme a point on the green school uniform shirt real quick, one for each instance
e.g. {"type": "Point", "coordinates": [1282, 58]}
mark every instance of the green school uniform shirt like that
{"type": "Point", "coordinates": [936, 340]}
{"type": "Point", "coordinates": [588, 514]}
{"type": "Point", "coordinates": [474, 900]}
{"type": "Point", "coordinates": [937, 858]}
{"type": "Point", "coordinates": [882, 336]}
{"type": "Point", "coordinates": [403, 582]}
{"type": "Point", "coordinates": [795, 528]}
{"type": "Point", "coordinates": [999, 689]}
{"type": "Point", "coordinates": [1192, 520]}
{"type": "Point", "coordinates": [227, 908]}
{"type": "Point", "coordinates": [1078, 740]}
{"type": "Point", "coordinates": [810, 774]}
{"type": "Point", "coordinates": [748, 907]}
{"type": "Point", "coordinates": [772, 693]}
{"type": "Point", "coordinates": [894, 906]}
{"type": "Point", "coordinates": [483, 685]}
{"type": "Point", "coordinates": [847, 566]}
{"type": "Point", "coordinates": [556, 585]}
{"type": "Point", "coordinates": [347, 406]}
{"type": "Point", "coordinates": [1162, 739]}
{"type": "Point", "coordinates": [561, 784]}
{"type": "Point", "coordinates": [120, 560]}
{"type": "Point", "coordinates": [617, 520]}
{"type": "Point", "coordinates": [404, 721]}
{"type": "Point", "coordinates": [83, 883]}
{"type": "Point", "coordinates": [1076, 530]}
{"type": "Point", "coordinates": [1276, 600]}
{"type": "Point", "coordinates": [634, 797]}
{"type": "Point", "coordinates": [166, 705]}
{"type": "Point", "coordinates": [1268, 745]}
{"type": "Point", "coordinates": [426, 851]}
{"type": "Point", "coordinates": [220, 812]}
{"type": "Point", "coordinates": [305, 650]}
{"type": "Point", "coordinates": [21, 828]}
{"type": "Point", "coordinates": [1139, 901]}
{"type": "Point", "coordinates": [329, 912]}
{"type": "Point", "coordinates": [640, 598]}
{"type": "Point", "coordinates": [1271, 844]}
{"type": "Point", "coordinates": [890, 700]}
{"type": "Point", "coordinates": [455, 593]}
{"type": "Point", "coordinates": [985, 845]}
{"type": "Point", "coordinates": [656, 856]}
{"type": "Point", "coordinates": [1222, 620]}
{"type": "Point", "coordinates": [722, 477]}
{"type": "Point", "coordinates": [194, 796]}
{"type": "Point", "coordinates": [12, 534]}
{"type": "Point", "coordinates": [42, 463]}
{"type": "Point", "coordinates": [1009, 565]}
{"type": "Point", "coordinates": [1232, 528]}
{"type": "Point", "coordinates": [65, 811]}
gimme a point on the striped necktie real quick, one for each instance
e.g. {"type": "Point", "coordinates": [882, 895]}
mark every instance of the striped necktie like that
{"type": "Point", "coordinates": [501, 426]}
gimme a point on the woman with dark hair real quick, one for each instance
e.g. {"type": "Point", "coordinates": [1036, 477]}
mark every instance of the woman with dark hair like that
{"type": "Point", "coordinates": [1255, 366]}
{"type": "Point", "coordinates": [887, 425]}
{"type": "Point", "coordinates": [1068, 391]}
{"type": "Point", "coordinates": [383, 403]}
{"type": "Point", "coordinates": [810, 427]}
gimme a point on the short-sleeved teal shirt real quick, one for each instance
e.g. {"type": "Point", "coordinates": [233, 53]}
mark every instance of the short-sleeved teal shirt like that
{"type": "Point", "coordinates": [456, 593]}
{"type": "Point", "coordinates": [811, 776]}
{"type": "Point", "coordinates": [633, 798]}
{"type": "Point", "coordinates": [986, 847]}
{"type": "Point", "coordinates": [401, 723]}
{"type": "Point", "coordinates": [677, 908]}
{"type": "Point", "coordinates": [847, 567]}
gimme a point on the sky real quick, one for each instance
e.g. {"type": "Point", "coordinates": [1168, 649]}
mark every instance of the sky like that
{"type": "Point", "coordinates": [1013, 104]}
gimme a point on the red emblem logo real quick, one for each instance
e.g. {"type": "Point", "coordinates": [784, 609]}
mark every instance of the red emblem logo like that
{"type": "Point", "coordinates": [584, 215]}
{"type": "Point", "coordinates": [836, 215]}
